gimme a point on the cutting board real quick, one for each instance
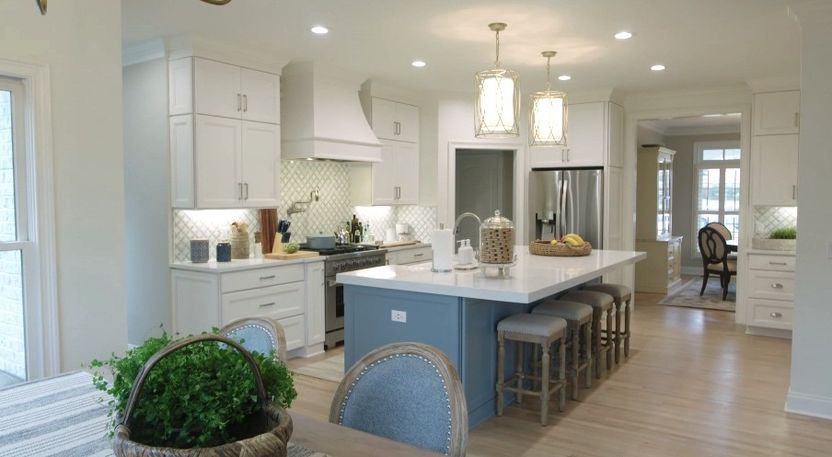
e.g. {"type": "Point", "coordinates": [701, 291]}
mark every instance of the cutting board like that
{"type": "Point", "coordinates": [292, 256]}
{"type": "Point", "coordinates": [393, 244]}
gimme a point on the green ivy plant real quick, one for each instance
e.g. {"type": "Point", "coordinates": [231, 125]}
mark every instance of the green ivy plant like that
{"type": "Point", "coordinates": [195, 397]}
{"type": "Point", "coordinates": [785, 233]}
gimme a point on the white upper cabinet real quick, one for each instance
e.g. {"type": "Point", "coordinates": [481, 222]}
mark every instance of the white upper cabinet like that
{"type": "Point", "coordinates": [180, 88]}
{"type": "Point", "coordinates": [383, 181]}
{"type": "Point", "coordinates": [407, 178]}
{"type": "Point", "coordinates": [776, 113]}
{"type": "Point", "coordinates": [217, 89]}
{"type": "Point", "coordinates": [774, 170]}
{"type": "Point", "coordinates": [395, 121]}
{"type": "Point", "coordinates": [393, 181]}
{"type": "Point", "coordinates": [261, 96]}
{"type": "Point", "coordinates": [218, 152]}
{"type": "Point", "coordinates": [594, 132]}
{"type": "Point", "coordinates": [260, 165]}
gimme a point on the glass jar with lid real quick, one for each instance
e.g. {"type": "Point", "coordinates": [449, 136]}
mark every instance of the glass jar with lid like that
{"type": "Point", "coordinates": [497, 236]}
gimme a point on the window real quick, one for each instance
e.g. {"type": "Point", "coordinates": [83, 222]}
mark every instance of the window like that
{"type": "Point", "coordinates": [717, 185]}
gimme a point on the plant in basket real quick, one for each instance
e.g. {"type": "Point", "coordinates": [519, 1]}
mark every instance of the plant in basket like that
{"type": "Point", "coordinates": [202, 391]}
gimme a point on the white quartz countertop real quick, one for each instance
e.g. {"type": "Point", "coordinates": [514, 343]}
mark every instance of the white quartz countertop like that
{"type": "Point", "coordinates": [213, 266]}
{"type": "Point", "coordinates": [533, 278]}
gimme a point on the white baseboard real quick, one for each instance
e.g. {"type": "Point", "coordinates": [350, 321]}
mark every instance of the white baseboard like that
{"type": "Point", "coordinates": [809, 405]}
{"type": "Point", "coordinates": [765, 331]}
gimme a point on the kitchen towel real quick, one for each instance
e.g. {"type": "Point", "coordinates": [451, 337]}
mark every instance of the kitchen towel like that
{"type": "Point", "coordinates": [442, 243]}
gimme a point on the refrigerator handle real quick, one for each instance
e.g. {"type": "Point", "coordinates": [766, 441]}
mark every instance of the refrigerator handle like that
{"type": "Point", "coordinates": [562, 208]}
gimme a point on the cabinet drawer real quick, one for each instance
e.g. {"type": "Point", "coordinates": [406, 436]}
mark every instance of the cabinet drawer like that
{"type": "Point", "coordinates": [275, 302]}
{"type": "Point", "coordinates": [772, 285]}
{"type": "Point", "coordinates": [771, 262]}
{"type": "Point", "coordinates": [414, 255]}
{"type": "Point", "coordinates": [294, 328]}
{"type": "Point", "coordinates": [770, 313]}
{"type": "Point", "coordinates": [261, 277]}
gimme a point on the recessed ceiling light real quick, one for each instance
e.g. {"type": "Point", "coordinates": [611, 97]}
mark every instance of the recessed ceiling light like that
{"type": "Point", "coordinates": [319, 30]}
{"type": "Point", "coordinates": [658, 67]}
{"type": "Point", "coordinates": [623, 35]}
{"type": "Point", "coordinates": [564, 77]}
{"type": "Point", "coordinates": [418, 63]}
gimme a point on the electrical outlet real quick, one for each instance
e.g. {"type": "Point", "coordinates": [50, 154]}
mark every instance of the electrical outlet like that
{"type": "Point", "coordinates": [398, 316]}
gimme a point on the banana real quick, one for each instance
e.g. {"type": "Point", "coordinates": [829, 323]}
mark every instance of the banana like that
{"type": "Point", "coordinates": [577, 238]}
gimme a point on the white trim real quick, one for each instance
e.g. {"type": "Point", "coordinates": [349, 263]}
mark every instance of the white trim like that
{"type": "Point", "coordinates": [704, 130]}
{"type": "Point", "coordinates": [38, 141]}
{"type": "Point", "coordinates": [143, 52]}
{"type": "Point", "coordinates": [809, 405]}
{"type": "Point", "coordinates": [722, 165]}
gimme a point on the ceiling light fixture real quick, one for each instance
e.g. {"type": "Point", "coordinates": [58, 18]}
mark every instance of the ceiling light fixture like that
{"type": "Point", "coordinates": [42, 4]}
{"type": "Point", "coordinates": [547, 113]}
{"type": "Point", "coordinates": [564, 77]}
{"type": "Point", "coordinates": [623, 35]}
{"type": "Point", "coordinates": [498, 98]}
{"type": "Point", "coordinates": [319, 30]}
{"type": "Point", "coordinates": [418, 63]}
{"type": "Point", "coordinates": [658, 67]}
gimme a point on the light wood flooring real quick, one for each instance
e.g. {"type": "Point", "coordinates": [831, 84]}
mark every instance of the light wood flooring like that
{"type": "Point", "coordinates": [695, 385]}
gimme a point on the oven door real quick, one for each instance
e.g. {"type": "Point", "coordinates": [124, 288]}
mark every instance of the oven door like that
{"type": "Point", "coordinates": [334, 305]}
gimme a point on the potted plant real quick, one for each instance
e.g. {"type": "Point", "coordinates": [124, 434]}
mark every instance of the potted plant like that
{"type": "Point", "coordinates": [202, 395]}
{"type": "Point", "coordinates": [782, 239]}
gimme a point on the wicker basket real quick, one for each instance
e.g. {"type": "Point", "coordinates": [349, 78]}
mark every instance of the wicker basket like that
{"type": "Point", "coordinates": [546, 248]}
{"type": "Point", "coordinates": [276, 423]}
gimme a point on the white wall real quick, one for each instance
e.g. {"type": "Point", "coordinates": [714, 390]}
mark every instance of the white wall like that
{"type": "Point", "coordinates": [146, 198]}
{"type": "Point", "coordinates": [811, 383]}
{"type": "Point", "coordinates": [81, 43]}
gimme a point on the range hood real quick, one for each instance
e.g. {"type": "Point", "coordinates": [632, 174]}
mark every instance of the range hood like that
{"type": "Point", "coordinates": [322, 118]}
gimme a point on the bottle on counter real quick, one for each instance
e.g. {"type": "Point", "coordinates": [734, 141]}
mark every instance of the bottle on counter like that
{"type": "Point", "coordinates": [353, 229]}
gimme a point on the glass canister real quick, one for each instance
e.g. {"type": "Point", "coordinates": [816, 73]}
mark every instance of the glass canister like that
{"type": "Point", "coordinates": [497, 240]}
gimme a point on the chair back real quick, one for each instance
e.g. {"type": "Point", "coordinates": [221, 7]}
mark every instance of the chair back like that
{"type": "Point", "coordinates": [712, 246]}
{"type": "Point", "coordinates": [723, 230]}
{"type": "Point", "coordinates": [406, 392]}
{"type": "Point", "coordinates": [258, 334]}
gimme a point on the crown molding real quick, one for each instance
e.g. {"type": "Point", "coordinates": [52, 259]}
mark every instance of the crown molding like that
{"type": "Point", "coordinates": [181, 46]}
{"type": "Point", "coordinates": [143, 52]}
{"type": "Point", "coordinates": [775, 84]}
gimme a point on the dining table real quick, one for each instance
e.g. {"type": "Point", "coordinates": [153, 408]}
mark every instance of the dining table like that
{"type": "Point", "coordinates": [733, 245]}
{"type": "Point", "coordinates": [66, 415]}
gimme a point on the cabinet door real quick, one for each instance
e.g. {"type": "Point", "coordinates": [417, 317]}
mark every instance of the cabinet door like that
{"type": "Point", "coordinates": [217, 145]}
{"type": "Point", "coordinates": [777, 113]}
{"type": "Point", "coordinates": [217, 88]}
{"type": "Point", "coordinates": [540, 157]}
{"type": "Point", "coordinates": [315, 303]}
{"type": "Point", "coordinates": [180, 86]}
{"type": "Point", "coordinates": [407, 173]}
{"type": "Point", "coordinates": [384, 175]}
{"type": "Point", "coordinates": [586, 136]}
{"type": "Point", "coordinates": [408, 118]}
{"type": "Point", "coordinates": [181, 132]}
{"type": "Point", "coordinates": [384, 119]}
{"type": "Point", "coordinates": [261, 164]}
{"type": "Point", "coordinates": [261, 96]}
{"type": "Point", "coordinates": [774, 170]}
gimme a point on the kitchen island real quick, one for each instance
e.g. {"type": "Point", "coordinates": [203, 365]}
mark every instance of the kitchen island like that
{"type": "Point", "coordinates": [458, 312]}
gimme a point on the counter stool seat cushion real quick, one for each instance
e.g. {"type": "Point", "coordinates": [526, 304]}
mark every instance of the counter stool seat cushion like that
{"type": "Point", "coordinates": [617, 291]}
{"type": "Point", "coordinates": [565, 309]}
{"type": "Point", "coordinates": [532, 325]}
{"type": "Point", "coordinates": [599, 301]}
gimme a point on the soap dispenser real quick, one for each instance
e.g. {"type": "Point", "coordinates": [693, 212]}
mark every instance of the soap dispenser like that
{"type": "Point", "coordinates": [465, 255]}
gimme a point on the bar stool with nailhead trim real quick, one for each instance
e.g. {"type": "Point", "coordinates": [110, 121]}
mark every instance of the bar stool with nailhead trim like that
{"type": "Point", "coordinates": [602, 310]}
{"type": "Point", "coordinates": [538, 330]}
{"type": "Point", "coordinates": [621, 295]}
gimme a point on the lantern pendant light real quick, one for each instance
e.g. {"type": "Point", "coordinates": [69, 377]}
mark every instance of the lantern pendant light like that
{"type": "Point", "coordinates": [547, 113]}
{"type": "Point", "coordinates": [497, 98]}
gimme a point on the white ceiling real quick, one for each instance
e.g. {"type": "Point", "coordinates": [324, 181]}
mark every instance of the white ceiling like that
{"type": "Point", "coordinates": [702, 42]}
{"type": "Point", "coordinates": [711, 124]}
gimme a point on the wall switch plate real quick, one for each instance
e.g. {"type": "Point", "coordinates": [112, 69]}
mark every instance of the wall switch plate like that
{"type": "Point", "coordinates": [398, 316]}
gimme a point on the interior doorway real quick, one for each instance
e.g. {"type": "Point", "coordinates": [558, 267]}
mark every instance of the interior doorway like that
{"type": "Point", "coordinates": [484, 183]}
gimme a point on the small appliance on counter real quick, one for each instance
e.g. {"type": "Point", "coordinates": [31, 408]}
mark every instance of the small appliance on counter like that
{"type": "Point", "coordinates": [403, 232]}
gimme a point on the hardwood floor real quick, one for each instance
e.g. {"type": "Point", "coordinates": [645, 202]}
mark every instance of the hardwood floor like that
{"type": "Point", "coordinates": [695, 385]}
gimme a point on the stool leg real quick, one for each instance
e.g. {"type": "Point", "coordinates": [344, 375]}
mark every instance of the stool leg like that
{"type": "Point", "coordinates": [544, 385]}
{"type": "Point", "coordinates": [627, 329]}
{"type": "Point", "coordinates": [609, 339]}
{"type": "Point", "coordinates": [618, 306]}
{"type": "Point", "coordinates": [576, 360]}
{"type": "Point", "coordinates": [535, 366]}
{"type": "Point", "coordinates": [501, 361]}
{"type": "Point", "coordinates": [562, 373]}
{"type": "Point", "coordinates": [596, 345]}
{"type": "Point", "coordinates": [519, 367]}
{"type": "Point", "coordinates": [588, 350]}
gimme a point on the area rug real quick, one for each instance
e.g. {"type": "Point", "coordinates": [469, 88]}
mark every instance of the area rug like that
{"type": "Point", "coordinates": [329, 369]}
{"type": "Point", "coordinates": [687, 295]}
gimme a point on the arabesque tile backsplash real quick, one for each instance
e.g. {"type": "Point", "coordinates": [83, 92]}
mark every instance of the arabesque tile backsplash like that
{"type": "Point", "coordinates": [770, 218]}
{"type": "Point", "coordinates": [326, 215]}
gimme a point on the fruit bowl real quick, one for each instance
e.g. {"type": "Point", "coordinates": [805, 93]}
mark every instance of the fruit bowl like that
{"type": "Point", "coordinates": [559, 249]}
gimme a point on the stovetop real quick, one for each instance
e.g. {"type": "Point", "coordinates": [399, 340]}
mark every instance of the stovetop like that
{"type": "Point", "coordinates": [340, 249]}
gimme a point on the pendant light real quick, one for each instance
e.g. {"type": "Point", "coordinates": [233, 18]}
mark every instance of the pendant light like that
{"type": "Point", "coordinates": [547, 113]}
{"type": "Point", "coordinates": [42, 4]}
{"type": "Point", "coordinates": [497, 99]}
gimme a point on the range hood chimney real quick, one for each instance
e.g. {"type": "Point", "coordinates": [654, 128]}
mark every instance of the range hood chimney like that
{"type": "Point", "coordinates": [322, 118]}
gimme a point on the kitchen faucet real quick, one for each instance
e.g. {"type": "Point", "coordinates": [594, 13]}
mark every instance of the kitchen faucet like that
{"type": "Point", "coordinates": [456, 228]}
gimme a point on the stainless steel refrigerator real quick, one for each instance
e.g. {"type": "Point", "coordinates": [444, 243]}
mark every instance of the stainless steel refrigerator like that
{"type": "Point", "coordinates": [565, 201]}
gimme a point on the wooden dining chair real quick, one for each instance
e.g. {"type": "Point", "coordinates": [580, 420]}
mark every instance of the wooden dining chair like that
{"type": "Point", "coordinates": [715, 259]}
{"type": "Point", "coordinates": [406, 392]}
{"type": "Point", "coordinates": [722, 229]}
{"type": "Point", "coordinates": [258, 334]}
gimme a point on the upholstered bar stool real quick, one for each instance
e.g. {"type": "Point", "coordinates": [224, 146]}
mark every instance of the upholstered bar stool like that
{"type": "Point", "coordinates": [602, 309]}
{"type": "Point", "coordinates": [578, 317]}
{"type": "Point", "coordinates": [621, 295]}
{"type": "Point", "coordinates": [539, 330]}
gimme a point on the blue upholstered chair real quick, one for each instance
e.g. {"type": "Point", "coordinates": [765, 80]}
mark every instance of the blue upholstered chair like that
{"type": "Point", "coordinates": [259, 334]}
{"type": "Point", "coordinates": [406, 392]}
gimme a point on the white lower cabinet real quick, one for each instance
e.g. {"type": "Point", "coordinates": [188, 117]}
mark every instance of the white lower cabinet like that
{"type": "Point", "coordinates": [770, 291]}
{"type": "Point", "coordinates": [291, 294]}
{"type": "Point", "coordinates": [409, 255]}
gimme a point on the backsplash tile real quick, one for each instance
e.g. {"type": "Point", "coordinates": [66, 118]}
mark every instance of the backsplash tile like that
{"type": "Point", "coordinates": [331, 179]}
{"type": "Point", "coordinates": [769, 218]}
{"type": "Point", "coordinates": [210, 224]}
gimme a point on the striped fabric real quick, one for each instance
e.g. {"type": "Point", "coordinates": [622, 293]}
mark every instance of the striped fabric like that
{"type": "Point", "coordinates": [63, 416]}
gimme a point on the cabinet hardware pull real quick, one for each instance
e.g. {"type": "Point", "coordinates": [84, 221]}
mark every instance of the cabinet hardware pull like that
{"type": "Point", "coordinates": [776, 315]}
{"type": "Point", "coordinates": [794, 191]}
{"type": "Point", "coordinates": [263, 278]}
{"type": "Point", "coordinates": [421, 254]}
{"type": "Point", "coordinates": [266, 305]}
{"type": "Point", "coordinates": [782, 264]}
{"type": "Point", "coordinates": [797, 119]}
{"type": "Point", "coordinates": [245, 103]}
{"type": "Point", "coordinates": [239, 102]}
{"type": "Point", "coordinates": [240, 190]}
{"type": "Point", "coordinates": [246, 187]}
{"type": "Point", "coordinates": [776, 285]}
{"type": "Point", "coordinates": [568, 159]}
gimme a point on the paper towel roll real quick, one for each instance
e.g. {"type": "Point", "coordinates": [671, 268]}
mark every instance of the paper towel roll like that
{"type": "Point", "coordinates": [442, 242]}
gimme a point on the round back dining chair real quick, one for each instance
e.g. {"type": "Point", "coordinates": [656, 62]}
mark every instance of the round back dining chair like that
{"type": "Point", "coordinates": [258, 334]}
{"type": "Point", "coordinates": [714, 250]}
{"type": "Point", "coordinates": [406, 392]}
{"type": "Point", "coordinates": [722, 229]}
